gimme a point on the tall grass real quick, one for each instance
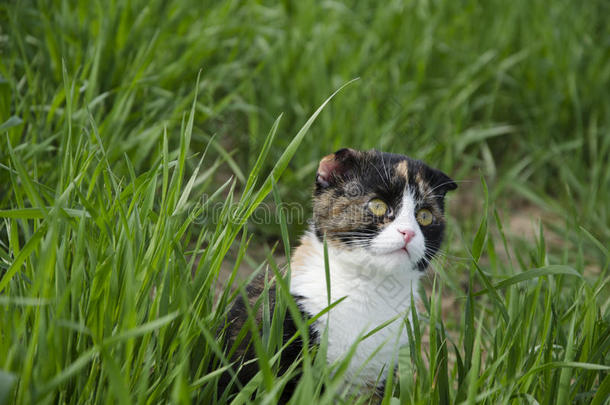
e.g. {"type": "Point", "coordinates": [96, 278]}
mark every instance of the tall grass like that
{"type": "Point", "coordinates": [113, 282]}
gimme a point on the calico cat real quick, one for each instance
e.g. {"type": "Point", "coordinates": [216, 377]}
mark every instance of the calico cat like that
{"type": "Point", "coordinates": [382, 216]}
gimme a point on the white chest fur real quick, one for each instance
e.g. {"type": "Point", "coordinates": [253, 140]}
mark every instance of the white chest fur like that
{"type": "Point", "coordinates": [375, 293]}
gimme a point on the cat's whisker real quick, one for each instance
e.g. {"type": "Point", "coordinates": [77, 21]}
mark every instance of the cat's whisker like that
{"type": "Point", "coordinates": [346, 233]}
{"type": "Point", "coordinates": [453, 257]}
{"type": "Point", "coordinates": [448, 255]}
{"type": "Point", "coordinates": [363, 240]}
{"type": "Point", "coordinates": [356, 232]}
{"type": "Point", "coordinates": [358, 239]}
{"type": "Point", "coordinates": [353, 237]}
{"type": "Point", "coordinates": [428, 195]}
{"type": "Point", "coordinates": [447, 182]}
{"type": "Point", "coordinates": [385, 169]}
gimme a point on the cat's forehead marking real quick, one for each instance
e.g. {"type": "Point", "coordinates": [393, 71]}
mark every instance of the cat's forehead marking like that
{"type": "Point", "coordinates": [402, 169]}
{"type": "Point", "coordinates": [423, 185]}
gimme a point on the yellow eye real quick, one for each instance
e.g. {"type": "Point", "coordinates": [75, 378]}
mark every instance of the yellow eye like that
{"type": "Point", "coordinates": [378, 207]}
{"type": "Point", "coordinates": [424, 217]}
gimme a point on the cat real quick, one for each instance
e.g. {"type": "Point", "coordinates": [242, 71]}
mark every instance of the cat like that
{"type": "Point", "coordinates": [382, 218]}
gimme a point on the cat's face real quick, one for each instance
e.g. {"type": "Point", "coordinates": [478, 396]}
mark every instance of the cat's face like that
{"type": "Point", "coordinates": [384, 207]}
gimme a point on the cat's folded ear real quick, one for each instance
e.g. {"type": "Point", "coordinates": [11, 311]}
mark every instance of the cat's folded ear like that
{"type": "Point", "coordinates": [335, 166]}
{"type": "Point", "coordinates": [440, 182]}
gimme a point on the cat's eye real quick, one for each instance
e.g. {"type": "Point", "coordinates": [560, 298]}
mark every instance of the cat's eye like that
{"type": "Point", "coordinates": [378, 207]}
{"type": "Point", "coordinates": [424, 217]}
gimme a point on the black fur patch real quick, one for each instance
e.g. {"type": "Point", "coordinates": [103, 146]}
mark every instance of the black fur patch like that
{"type": "Point", "coordinates": [236, 321]}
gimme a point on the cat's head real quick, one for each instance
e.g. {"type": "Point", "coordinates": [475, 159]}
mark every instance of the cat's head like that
{"type": "Point", "coordinates": [383, 207]}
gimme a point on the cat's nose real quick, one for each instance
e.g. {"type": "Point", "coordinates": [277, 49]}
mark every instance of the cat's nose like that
{"type": "Point", "coordinates": [407, 234]}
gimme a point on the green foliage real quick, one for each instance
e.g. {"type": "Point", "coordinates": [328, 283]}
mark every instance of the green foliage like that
{"type": "Point", "coordinates": [122, 124]}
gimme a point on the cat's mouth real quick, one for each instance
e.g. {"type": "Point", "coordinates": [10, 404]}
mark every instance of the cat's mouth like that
{"type": "Point", "coordinates": [404, 249]}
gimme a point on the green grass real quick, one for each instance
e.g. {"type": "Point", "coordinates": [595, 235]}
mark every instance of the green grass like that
{"type": "Point", "coordinates": [122, 123]}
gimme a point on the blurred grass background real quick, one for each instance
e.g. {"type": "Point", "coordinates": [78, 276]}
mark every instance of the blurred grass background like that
{"type": "Point", "coordinates": [94, 105]}
{"type": "Point", "coordinates": [464, 85]}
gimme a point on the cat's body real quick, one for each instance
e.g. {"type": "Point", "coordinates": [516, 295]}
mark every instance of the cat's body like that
{"type": "Point", "coordinates": [368, 303]}
{"type": "Point", "coordinates": [382, 218]}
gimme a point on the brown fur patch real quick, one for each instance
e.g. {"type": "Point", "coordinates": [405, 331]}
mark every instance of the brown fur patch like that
{"type": "Point", "coordinates": [422, 184]}
{"type": "Point", "coordinates": [402, 169]}
{"type": "Point", "coordinates": [338, 214]}
{"type": "Point", "coordinates": [302, 254]}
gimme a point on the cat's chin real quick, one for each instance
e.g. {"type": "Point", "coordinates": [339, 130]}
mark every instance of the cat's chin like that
{"type": "Point", "coordinates": [379, 262]}
{"type": "Point", "coordinates": [406, 257]}
{"type": "Point", "coordinates": [399, 259]}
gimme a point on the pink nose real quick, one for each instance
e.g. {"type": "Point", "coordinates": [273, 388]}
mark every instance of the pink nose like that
{"type": "Point", "coordinates": [407, 234]}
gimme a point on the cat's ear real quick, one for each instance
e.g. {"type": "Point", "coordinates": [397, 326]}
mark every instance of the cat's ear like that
{"type": "Point", "coordinates": [440, 182]}
{"type": "Point", "coordinates": [334, 166]}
